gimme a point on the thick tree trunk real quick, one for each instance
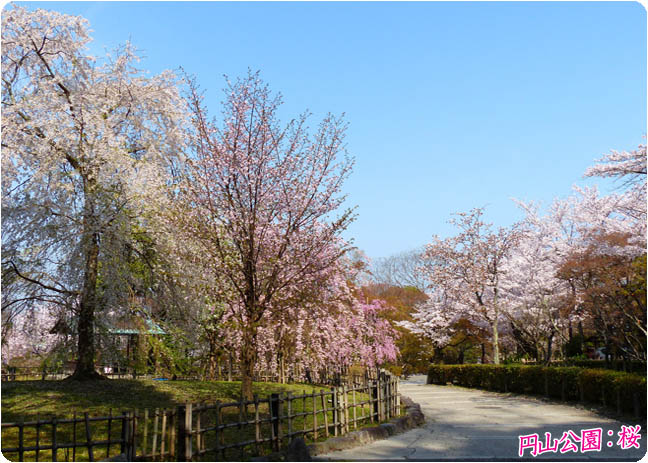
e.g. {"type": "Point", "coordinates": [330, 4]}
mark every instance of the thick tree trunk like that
{"type": "Point", "coordinates": [496, 356]}
{"type": "Point", "coordinates": [211, 365]}
{"type": "Point", "coordinates": [85, 331]}
{"type": "Point", "coordinates": [549, 349]}
{"type": "Point", "coordinates": [248, 362]}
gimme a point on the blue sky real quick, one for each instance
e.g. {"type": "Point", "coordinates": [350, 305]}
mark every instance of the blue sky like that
{"type": "Point", "coordinates": [450, 105]}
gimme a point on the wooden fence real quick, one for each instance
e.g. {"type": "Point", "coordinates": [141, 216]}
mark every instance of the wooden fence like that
{"type": "Point", "coordinates": [68, 439]}
{"type": "Point", "coordinates": [218, 431]}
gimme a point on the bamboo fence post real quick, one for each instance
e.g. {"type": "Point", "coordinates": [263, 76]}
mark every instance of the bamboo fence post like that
{"type": "Point", "coordinates": [145, 437]}
{"type": "Point", "coordinates": [355, 417]}
{"type": "Point", "coordinates": [241, 404]}
{"type": "Point", "coordinates": [154, 435]}
{"type": "Point", "coordinates": [74, 439]}
{"type": "Point", "coordinates": [304, 413]}
{"type": "Point", "coordinates": [109, 432]}
{"type": "Point", "coordinates": [88, 439]}
{"type": "Point", "coordinates": [341, 408]}
{"type": "Point", "coordinates": [123, 434]}
{"type": "Point", "coordinates": [342, 404]}
{"type": "Point", "coordinates": [54, 449]}
{"type": "Point", "coordinates": [180, 437]}
{"type": "Point", "coordinates": [398, 398]}
{"type": "Point", "coordinates": [257, 425]}
{"type": "Point", "coordinates": [387, 397]}
{"type": "Point", "coordinates": [362, 407]}
{"type": "Point", "coordinates": [388, 382]}
{"type": "Point", "coordinates": [290, 417]}
{"type": "Point", "coordinates": [326, 429]}
{"type": "Point", "coordinates": [184, 433]}
{"type": "Point", "coordinates": [279, 410]}
{"type": "Point", "coordinates": [314, 416]}
{"type": "Point", "coordinates": [335, 411]}
{"type": "Point", "coordinates": [346, 409]}
{"type": "Point", "coordinates": [372, 407]}
{"type": "Point", "coordinates": [220, 434]}
{"type": "Point", "coordinates": [240, 416]}
{"type": "Point", "coordinates": [274, 420]}
{"type": "Point", "coordinates": [163, 436]}
{"type": "Point", "coordinates": [133, 436]}
{"type": "Point", "coordinates": [173, 418]}
{"type": "Point", "coordinates": [391, 396]}
{"type": "Point", "coordinates": [379, 399]}
{"type": "Point", "coordinates": [38, 437]}
{"type": "Point", "coordinates": [205, 420]}
{"type": "Point", "coordinates": [20, 440]}
{"type": "Point", "coordinates": [187, 433]}
{"type": "Point", "coordinates": [199, 436]}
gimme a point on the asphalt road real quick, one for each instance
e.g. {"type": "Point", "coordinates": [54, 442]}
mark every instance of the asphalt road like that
{"type": "Point", "coordinates": [472, 425]}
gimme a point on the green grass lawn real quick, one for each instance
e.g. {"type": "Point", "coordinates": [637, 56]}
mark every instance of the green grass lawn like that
{"type": "Point", "coordinates": [32, 400]}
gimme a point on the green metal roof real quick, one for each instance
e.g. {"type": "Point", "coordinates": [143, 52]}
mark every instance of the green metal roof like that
{"type": "Point", "coordinates": [152, 328]}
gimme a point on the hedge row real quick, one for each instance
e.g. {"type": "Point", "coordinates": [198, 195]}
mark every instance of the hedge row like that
{"type": "Point", "coordinates": [630, 366]}
{"type": "Point", "coordinates": [624, 392]}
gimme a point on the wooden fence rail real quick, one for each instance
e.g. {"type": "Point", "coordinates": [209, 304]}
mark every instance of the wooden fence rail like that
{"type": "Point", "coordinates": [217, 431]}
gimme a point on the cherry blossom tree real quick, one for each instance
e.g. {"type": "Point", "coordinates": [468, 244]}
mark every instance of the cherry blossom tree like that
{"type": "Point", "coordinates": [466, 272]}
{"type": "Point", "coordinates": [31, 334]}
{"type": "Point", "coordinates": [542, 273]}
{"type": "Point", "coordinates": [435, 319]}
{"type": "Point", "coordinates": [265, 198]}
{"type": "Point", "coordinates": [88, 148]}
{"type": "Point", "coordinates": [629, 168]}
{"type": "Point", "coordinates": [531, 289]}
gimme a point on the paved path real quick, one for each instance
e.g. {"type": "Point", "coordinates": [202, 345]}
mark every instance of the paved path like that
{"type": "Point", "coordinates": [469, 424]}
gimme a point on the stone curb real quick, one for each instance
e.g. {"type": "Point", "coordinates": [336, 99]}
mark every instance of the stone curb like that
{"type": "Point", "coordinates": [298, 451]}
{"type": "Point", "coordinates": [413, 418]}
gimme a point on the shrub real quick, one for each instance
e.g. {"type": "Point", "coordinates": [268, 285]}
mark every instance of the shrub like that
{"type": "Point", "coordinates": [625, 392]}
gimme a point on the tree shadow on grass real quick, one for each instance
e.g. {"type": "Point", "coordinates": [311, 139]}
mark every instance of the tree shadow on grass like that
{"type": "Point", "coordinates": [43, 399]}
{"type": "Point", "coordinates": [31, 400]}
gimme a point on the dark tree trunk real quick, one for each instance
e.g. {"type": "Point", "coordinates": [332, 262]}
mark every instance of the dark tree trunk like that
{"type": "Point", "coordinates": [85, 331]}
{"type": "Point", "coordinates": [248, 362]}
{"type": "Point", "coordinates": [212, 365]}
